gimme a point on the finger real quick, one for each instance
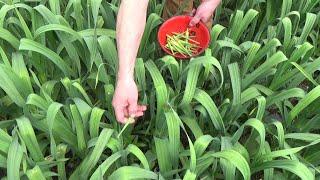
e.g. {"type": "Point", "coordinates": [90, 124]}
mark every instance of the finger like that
{"type": "Point", "coordinates": [142, 108]}
{"type": "Point", "coordinates": [120, 116]}
{"type": "Point", "coordinates": [139, 114]}
{"type": "Point", "coordinates": [133, 106]}
{"type": "Point", "coordinates": [195, 20]}
{"type": "Point", "coordinates": [193, 12]}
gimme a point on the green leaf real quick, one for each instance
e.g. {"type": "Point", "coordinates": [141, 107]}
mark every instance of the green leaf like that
{"type": "Point", "coordinates": [262, 69]}
{"type": "Point", "coordinates": [30, 45]}
{"type": "Point", "coordinates": [24, 25]}
{"type": "Point", "coordinates": [236, 83]}
{"type": "Point", "coordinates": [208, 61]}
{"type": "Point", "coordinates": [78, 123]}
{"type": "Point", "coordinates": [189, 175]}
{"type": "Point", "coordinates": [95, 4]}
{"type": "Point", "coordinates": [280, 131]}
{"type": "Point", "coordinates": [261, 107]}
{"type": "Point", "coordinates": [280, 78]}
{"type": "Point", "coordinates": [9, 86]}
{"type": "Point", "coordinates": [35, 174]}
{"type": "Point", "coordinates": [308, 99]}
{"type": "Point", "coordinates": [28, 136]}
{"type": "Point", "coordinates": [140, 73]}
{"type": "Point", "coordinates": [286, 152]}
{"type": "Point", "coordinates": [5, 141]}
{"type": "Point", "coordinates": [95, 117]}
{"type": "Point", "coordinates": [109, 50]}
{"type": "Point", "coordinates": [251, 57]}
{"type": "Point", "coordinates": [7, 7]}
{"type": "Point", "coordinates": [55, 6]}
{"type": "Point", "coordinates": [14, 158]}
{"type": "Point", "coordinates": [285, 8]}
{"type": "Point", "coordinates": [131, 172]}
{"type": "Point", "coordinates": [139, 154]}
{"type": "Point", "coordinates": [290, 165]}
{"type": "Point", "coordinates": [257, 125]}
{"type": "Point", "coordinates": [91, 160]}
{"type": "Point", "coordinates": [193, 126]}
{"type": "Point", "coordinates": [241, 24]}
{"type": "Point", "coordinates": [4, 57]}
{"type": "Point", "coordinates": [57, 27]}
{"type": "Point", "coordinates": [6, 35]}
{"type": "Point", "coordinates": [101, 170]}
{"type": "Point", "coordinates": [286, 94]}
{"type": "Point", "coordinates": [191, 84]}
{"type": "Point", "coordinates": [78, 13]}
{"type": "Point", "coordinates": [152, 22]}
{"type": "Point", "coordinates": [249, 94]}
{"type": "Point", "coordinates": [20, 68]}
{"type": "Point", "coordinates": [269, 46]}
{"type": "Point", "coordinates": [51, 114]}
{"type": "Point", "coordinates": [202, 143]}
{"type": "Point", "coordinates": [287, 24]}
{"type": "Point", "coordinates": [235, 159]}
{"type": "Point", "coordinates": [305, 73]}
{"type": "Point", "coordinates": [98, 32]}
{"type": "Point", "coordinates": [202, 97]}
{"type": "Point", "coordinates": [310, 20]}
{"type": "Point", "coordinates": [163, 154]}
{"type": "Point", "coordinates": [161, 89]}
{"type": "Point", "coordinates": [214, 34]}
{"type": "Point", "coordinates": [174, 136]}
{"type": "Point", "coordinates": [83, 92]}
{"type": "Point", "coordinates": [308, 137]}
{"type": "Point", "coordinates": [61, 152]}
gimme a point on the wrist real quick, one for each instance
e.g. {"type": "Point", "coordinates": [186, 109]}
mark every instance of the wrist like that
{"type": "Point", "coordinates": [126, 68]}
{"type": "Point", "coordinates": [125, 73]}
{"type": "Point", "coordinates": [124, 76]}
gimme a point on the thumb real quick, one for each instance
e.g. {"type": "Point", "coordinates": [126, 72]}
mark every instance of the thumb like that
{"type": "Point", "coordinates": [195, 20]}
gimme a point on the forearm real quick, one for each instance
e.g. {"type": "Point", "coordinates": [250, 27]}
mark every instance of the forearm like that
{"type": "Point", "coordinates": [213, 3]}
{"type": "Point", "coordinates": [130, 28]}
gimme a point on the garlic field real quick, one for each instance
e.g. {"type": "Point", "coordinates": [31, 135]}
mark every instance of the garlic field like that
{"type": "Point", "coordinates": [247, 108]}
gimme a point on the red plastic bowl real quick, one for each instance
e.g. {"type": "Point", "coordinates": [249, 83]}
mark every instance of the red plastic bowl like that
{"type": "Point", "coordinates": [180, 24]}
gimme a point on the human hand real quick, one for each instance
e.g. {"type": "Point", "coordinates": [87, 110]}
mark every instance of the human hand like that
{"type": "Point", "coordinates": [204, 12]}
{"type": "Point", "coordinates": [125, 100]}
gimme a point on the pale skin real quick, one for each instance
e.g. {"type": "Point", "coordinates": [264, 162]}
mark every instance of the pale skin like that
{"type": "Point", "coordinates": [129, 33]}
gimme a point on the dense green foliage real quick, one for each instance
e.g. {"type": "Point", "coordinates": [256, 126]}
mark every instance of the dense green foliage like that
{"type": "Point", "coordinates": [247, 108]}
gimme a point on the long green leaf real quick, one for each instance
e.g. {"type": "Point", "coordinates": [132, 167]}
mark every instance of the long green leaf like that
{"type": "Point", "coordinates": [101, 170]}
{"type": "Point", "coordinates": [14, 158]}
{"type": "Point", "coordinates": [29, 138]}
{"type": "Point", "coordinates": [202, 97]}
{"type": "Point", "coordinates": [235, 159]}
{"type": "Point", "coordinates": [290, 165]}
{"type": "Point", "coordinates": [131, 172]}
{"type": "Point", "coordinates": [308, 99]}
{"type": "Point", "coordinates": [30, 45]}
{"type": "Point", "coordinates": [91, 160]}
{"type": "Point", "coordinates": [35, 174]}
